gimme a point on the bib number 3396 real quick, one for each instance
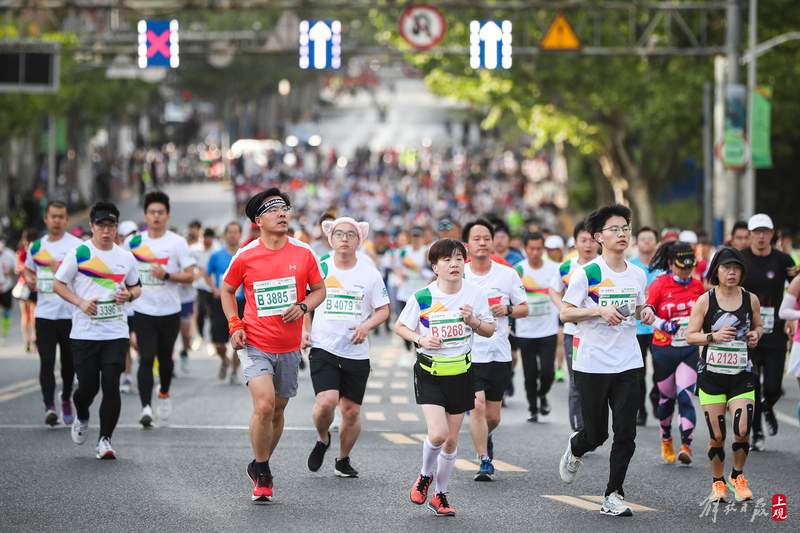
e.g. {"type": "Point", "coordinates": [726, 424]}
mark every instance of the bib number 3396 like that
{"type": "Point", "coordinates": [274, 296]}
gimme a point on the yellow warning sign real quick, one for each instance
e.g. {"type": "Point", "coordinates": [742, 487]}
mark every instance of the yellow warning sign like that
{"type": "Point", "coordinates": [560, 36]}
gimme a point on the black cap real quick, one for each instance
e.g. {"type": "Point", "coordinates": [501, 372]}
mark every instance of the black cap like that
{"type": "Point", "coordinates": [682, 254]}
{"type": "Point", "coordinates": [728, 256]}
{"type": "Point", "coordinates": [417, 231]}
{"type": "Point", "coordinates": [446, 223]}
{"type": "Point", "coordinates": [104, 215]}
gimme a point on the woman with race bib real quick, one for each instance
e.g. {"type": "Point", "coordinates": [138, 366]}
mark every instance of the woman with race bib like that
{"type": "Point", "coordinates": [726, 321]}
{"type": "Point", "coordinates": [440, 320]}
{"type": "Point", "coordinates": [673, 295]}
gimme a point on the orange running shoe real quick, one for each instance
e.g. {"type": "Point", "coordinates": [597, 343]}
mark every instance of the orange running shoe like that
{"type": "Point", "coordinates": [740, 489]}
{"type": "Point", "coordinates": [719, 492]}
{"type": "Point", "coordinates": [440, 506]}
{"type": "Point", "coordinates": [685, 455]}
{"type": "Point", "coordinates": [668, 450]}
{"type": "Point", "coordinates": [419, 492]}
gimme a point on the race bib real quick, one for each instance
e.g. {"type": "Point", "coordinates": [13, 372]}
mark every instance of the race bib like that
{"type": "Point", "coordinates": [618, 297]}
{"type": "Point", "coordinates": [726, 357]}
{"type": "Point", "coordinates": [274, 296]}
{"type": "Point", "coordinates": [450, 327]}
{"type": "Point", "coordinates": [44, 283]}
{"type": "Point", "coordinates": [679, 339]}
{"type": "Point", "coordinates": [149, 281]}
{"type": "Point", "coordinates": [342, 304]}
{"type": "Point", "coordinates": [538, 306]}
{"type": "Point", "coordinates": [107, 310]}
{"type": "Point", "coordinates": [768, 319]}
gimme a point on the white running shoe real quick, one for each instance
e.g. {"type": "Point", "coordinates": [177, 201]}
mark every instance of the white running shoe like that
{"type": "Point", "coordinates": [127, 385]}
{"type": "Point", "coordinates": [234, 379]}
{"type": "Point", "coordinates": [614, 505]}
{"type": "Point", "coordinates": [79, 429]}
{"type": "Point", "coordinates": [104, 451]}
{"type": "Point", "coordinates": [569, 464]}
{"type": "Point", "coordinates": [146, 420]}
{"type": "Point", "coordinates": [164, 408]}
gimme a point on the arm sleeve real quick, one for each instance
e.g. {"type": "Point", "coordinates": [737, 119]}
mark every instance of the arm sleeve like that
{"type": "Point", "coordinates": [557, 283]}
{"type": "Point", "coordinates": [233, 276]}
{"type": "Point", "coordinates": [482, 310]}
{"type": "Point", "coordinates": [132, 276]}
{"type": "Point", "coordinates": [379, 294]}
{"type": "Point", "coordinates": [789, 309]}
{"type": "Point", "coordinates": [578, 288]}
{"type": "Point", "coordinates": [68, 269]}
{"type": "Point", "coordinates": [186, 257]}
{"type": "Point", "coordinates": [409, 316]}
{"type": "Point", "coordinates": [29, 264]}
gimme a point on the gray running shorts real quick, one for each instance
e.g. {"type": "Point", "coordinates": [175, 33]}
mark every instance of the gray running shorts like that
{"type": "Point", "coordinates": [282, 366]}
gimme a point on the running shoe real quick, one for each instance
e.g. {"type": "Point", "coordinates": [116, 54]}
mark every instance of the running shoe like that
{"type": "Point", "coordinates": [440, 506]}
{"type": "Point", "coordinates": [533, 417]}
{"type": "Point", "coordinates": [614, 505]}
{"type": "Point", "coordinates": [685, 455]}
{"type": "Point", "coordinates": [234, 379]}
{"type": "Point", "coordinates": [51, 417]}
{"type": "Point", "coordinates": [568, 467]}
{"type": "Point", "coordinates": [719, 492]}
{"type": "Point", "coordinates": [317, 455]}
{"type": "Point", "coordinates": [490, 447]}
{"type": "Point", "coordinates": [184, 361]}
{"type": "Point", "coordinates": [771, 422]}
{"type": "Point", "coordinates": [262, 485]}
{"type": "Point", "coordinates": [559, 375]}
{"type": "Point", "coordinates": [544, 406]}
{"type": "Point", "coordinates": [668, 450]}
{"type": "Point", "coordinates": [486, 470]}
{"type": "Point", "coordinates": [337, 418]}
{"type": "Point", "coordinates": [103, 450]}
{"type": "Point", "coordinates": [127, 385]}
{"type": "Point", "coordinates": [146, 420]}
{"type": "Point", "coordinates": [79, 429]}
{"type": "Point", "coordinates": [344, 469]}
{"type": "Point", "coordinates": [67, 416]}
{"type": "Point", "coordinates": [223, 371]}
{"type": "Point", "coordinates": [419, 492]}
{"type": "Point", "coordinates": [164, 408]}
{"type": "Point", "coordinates": [641, 419]}
{"type": "Point", "coordinates": [758, 442]}
{"type": "Point", "coordinates": [740, 489]}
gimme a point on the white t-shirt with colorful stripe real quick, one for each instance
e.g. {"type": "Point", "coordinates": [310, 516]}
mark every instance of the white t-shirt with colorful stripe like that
{"type": "Point", "coordinates": [542, 319]}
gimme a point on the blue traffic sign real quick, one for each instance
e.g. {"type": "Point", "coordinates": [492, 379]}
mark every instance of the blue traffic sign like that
{"type": "Point", "coordinates": [490, 44]}
{"type": "Point", "coordinates": [158, 43]}
{"type": "Point", "coordinates": [320, 44]}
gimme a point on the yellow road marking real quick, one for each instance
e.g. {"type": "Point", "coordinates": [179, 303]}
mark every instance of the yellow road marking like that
{"type": "Point", "coordinates": [633, 506]}
{"type": "Point", "coordinates": [371, 398]}
{"type": "Point", "coordinates": [577, 502]}
{"type": "Point", "coordinates": [19, 385]}
{"type": "Point", "coordinates": [463, 464]}
{"type": "Point", "coordinates": [13, 395]}
{"type": "Point", "coordinates": [399, 385]}
{"type": "Point", "coordinates": [375, 416]}
{"type": "Point", "coordinates": [375, 385]}
{"type": "Point", "coordinates": [398, 438]}
{"type": "Point", "coordinates": [408, 417]}
{"type": "Point", "coordinates": [420, 436]}
{"type": "Point", "coordinates": [399, 399]}
{"type": "Point", "coordinates": [505, 467]}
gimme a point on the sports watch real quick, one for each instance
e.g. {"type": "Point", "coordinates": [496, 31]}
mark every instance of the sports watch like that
{"type": "Point", "coordinates": [510, 309]}
{"type": "Point", "coordinates": [710, 337]}
{"type": "Point", "coordinates": [303, 306]}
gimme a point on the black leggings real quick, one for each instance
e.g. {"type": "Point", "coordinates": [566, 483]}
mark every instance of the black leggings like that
{"type": "Point", "coordinates": [770, 362]}
{"type": "Point", "coordinates": [156, 337]}
{"type": "Point", "coordinates": [99, 364]}
{"type": "Point", "coordinates": [49, 334]}
{"type": "Point", "coordinates": [204, 306]}
{"type": "Point", "coordinates": [538, 357]}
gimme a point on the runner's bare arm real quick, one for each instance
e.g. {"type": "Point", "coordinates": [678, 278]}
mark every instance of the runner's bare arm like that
{"type": "Point", "coordinates": [229, 307]}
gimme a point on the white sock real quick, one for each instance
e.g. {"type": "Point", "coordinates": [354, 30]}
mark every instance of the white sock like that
{"type": "Point", "coordinates": [444, 467]}
{"type": "Point", "coordinates": [429, 454]}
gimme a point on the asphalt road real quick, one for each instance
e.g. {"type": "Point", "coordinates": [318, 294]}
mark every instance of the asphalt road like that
{"type": "Point", "coordinates": [188, 473]}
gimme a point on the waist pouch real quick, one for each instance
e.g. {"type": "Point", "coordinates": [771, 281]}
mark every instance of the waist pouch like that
{"type": "Point", "coordinates": [445, 366]}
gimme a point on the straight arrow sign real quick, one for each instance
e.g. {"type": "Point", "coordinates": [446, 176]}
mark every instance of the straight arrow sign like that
{"type": "Point", "coordinates": [320, 34]}
{"type": "Point", "coordinates": [491, 35]}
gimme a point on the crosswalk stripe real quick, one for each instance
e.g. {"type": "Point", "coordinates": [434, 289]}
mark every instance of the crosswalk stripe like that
{"type": "Point", "coordinates": [633, 506]}
{"type": "Point", "coordinates": [505, 467]}
{"type": "Point", "coordinates": [463, 464]}
{"type": "Point", "coordinates": [408, 417]}
{"type": "Point", "coordinates": [385, 363]}
{"type": "Point", "coordinates": [401, 374]}
{"type": "Point", "coordinates": [577, 502]}
{"type": "Point", "coordinates": [791, 420]}
{"type": "Point", "coordinates": [399, 385]}
{"type": "Point", "coordinates": [376, 384]}
{"type": "Point", "coordinates": [375, 416]}
{"type": "Point", "coordinates": [371, 398]}
{"type": "Point", "coordinates": [398, 399]}
{"type": "Point", "coordinates": [398, 438]}
{"type": "Point", "coordinates": [420, 436]}
{"type": "Point", "coordinates": [380, 373]}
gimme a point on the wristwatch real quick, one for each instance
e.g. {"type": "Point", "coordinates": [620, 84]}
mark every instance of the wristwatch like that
{"type": "Point", "coordinates": [303, 306]}
{"type": "Point", "coordinates": [710, 337]}
{"type": "Point", "coordinates": [416, 342]}
{"type": "Point", "coordinates": [510, 309]}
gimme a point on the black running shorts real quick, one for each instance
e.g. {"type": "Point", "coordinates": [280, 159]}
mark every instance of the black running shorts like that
{"type": "Point", "coordinates": [331, 372]}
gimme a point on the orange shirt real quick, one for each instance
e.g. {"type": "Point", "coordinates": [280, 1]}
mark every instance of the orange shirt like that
{"type": "Point", "coordinates": [273, 280]}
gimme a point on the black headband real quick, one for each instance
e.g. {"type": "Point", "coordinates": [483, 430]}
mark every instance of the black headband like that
{"type": "Point", "coordinates": [269, 203]}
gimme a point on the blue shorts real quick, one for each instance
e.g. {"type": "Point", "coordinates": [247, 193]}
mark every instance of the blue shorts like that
{"type": "Point", "coordinates": [187, 310]}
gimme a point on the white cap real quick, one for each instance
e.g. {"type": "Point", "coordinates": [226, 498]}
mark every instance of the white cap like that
{"type": "Point", "coordinates": [759, 220]}
{"type": "Point", "coordinates": [554, 242]}
{"type": "Point", "coordinates": [688, 236]}
{"type": "Point", "coordinates": [126, 227]}
{"type": "Point", "coordinates": [571, 242]}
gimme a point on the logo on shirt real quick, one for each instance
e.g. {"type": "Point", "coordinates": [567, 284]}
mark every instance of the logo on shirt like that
{"type": "Point", "coordinates": [96, 270]}
{"type": "Point", "coordinates": [770, 274]}
{"type": "Point", "coordinates": [144, 254]}
{"type": "Point", "coordinates": [426, 306]}
{"type": "Point", "coordinates": [292, 267]}
{"type": "Point", "coordinates": [40, 256]}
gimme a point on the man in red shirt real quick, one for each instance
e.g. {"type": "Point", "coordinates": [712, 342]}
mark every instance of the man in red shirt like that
{"type": "Point", "coordinates": [276, 271]}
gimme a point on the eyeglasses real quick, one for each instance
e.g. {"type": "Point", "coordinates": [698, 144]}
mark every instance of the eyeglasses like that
{"type": "Point", "coordinates": [104, 227]}
{"type": "Point", "coordinates": [275, 209]}
{"type": "Point", "coordinates": [618, 229]}
{"type": "Point", "coordinates": [339, 234]}
{"type": "Point", "coordinates": [446, 226]}
{"type": "Point", "coordinates": [156, 211]}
